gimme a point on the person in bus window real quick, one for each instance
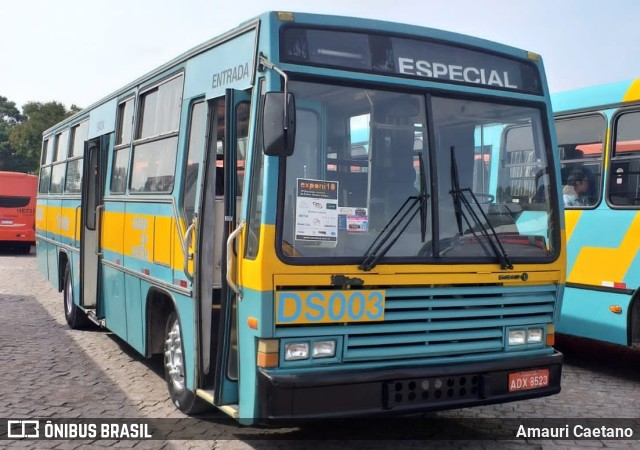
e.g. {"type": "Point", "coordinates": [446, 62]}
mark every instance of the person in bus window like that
{"type": "Point", "coordinates": [579, 188]}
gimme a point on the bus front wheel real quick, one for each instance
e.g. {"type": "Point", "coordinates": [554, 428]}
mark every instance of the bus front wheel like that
{"type": "Point", "coordinates": [174, 371]}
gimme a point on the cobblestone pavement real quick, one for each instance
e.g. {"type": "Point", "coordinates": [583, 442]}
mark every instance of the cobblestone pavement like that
{"type": "Point", "coordinates": [50, 371]}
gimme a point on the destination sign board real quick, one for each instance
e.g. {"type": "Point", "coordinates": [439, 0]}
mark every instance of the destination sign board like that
{"type": "Point", "coordinates": [408, 57]}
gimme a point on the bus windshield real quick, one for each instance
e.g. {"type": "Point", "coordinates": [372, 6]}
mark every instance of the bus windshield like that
{"type": "Point", "coordinates": [357, 161]}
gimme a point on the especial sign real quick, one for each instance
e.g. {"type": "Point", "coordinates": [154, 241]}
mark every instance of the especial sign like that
{"type": "Point", "coordinates": [409, 57]}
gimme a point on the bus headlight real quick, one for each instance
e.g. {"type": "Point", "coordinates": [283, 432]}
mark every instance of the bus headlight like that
{"type": "Point", "coordinates": [295, 351]}
{"type": "Point", "coordinates": [534, 336]}
{"type": "Point", "coordinates": [517, 337]}
{"type": "Point", "coordinates": [324, 349]}
{"type": "Point", "coordinates": [522, 336]}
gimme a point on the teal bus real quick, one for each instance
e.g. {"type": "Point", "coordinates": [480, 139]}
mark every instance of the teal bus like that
{"type": "Point", "coordinates": [598, 132]}
{"type": "Point", "coordinates": [313, 216]}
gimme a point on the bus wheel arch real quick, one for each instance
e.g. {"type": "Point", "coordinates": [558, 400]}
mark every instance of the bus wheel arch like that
{"type": "Point", "coordinates": [165, 337]}
{"type": "Point", "coordinates": [159, 306]}
{"type": "Point", "coordinates": [63, 262]}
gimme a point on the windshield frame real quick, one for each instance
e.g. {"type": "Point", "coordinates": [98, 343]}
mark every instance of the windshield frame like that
{"type": "Point", "coordinates": [427, 93]}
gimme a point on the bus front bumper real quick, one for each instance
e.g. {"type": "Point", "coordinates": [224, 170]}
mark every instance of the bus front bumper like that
{"type": "Point", "coordinates": [405, 390]}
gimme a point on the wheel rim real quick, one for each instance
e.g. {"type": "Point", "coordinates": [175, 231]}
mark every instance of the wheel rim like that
{"type": "Point", "coordinates": [173, 359]}
{"type": "Point", "coordinates": [68, 297]}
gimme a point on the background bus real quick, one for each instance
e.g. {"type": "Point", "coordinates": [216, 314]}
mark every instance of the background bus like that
{"type": "Point", "coordinates": [17, 210]}
{"type": "Point", "coordinates": [369, 243]}
{"type": "Point", "coordinates": [598, 131]}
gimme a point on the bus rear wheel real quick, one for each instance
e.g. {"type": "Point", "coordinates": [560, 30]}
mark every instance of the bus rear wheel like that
{"type": "Point", "coordinates": [174, 370]}
{"type": "Point", "coordinates": [76, 318]}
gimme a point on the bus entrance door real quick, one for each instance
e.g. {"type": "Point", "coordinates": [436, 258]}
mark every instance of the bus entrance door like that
{"type": "Point", "coordinates": [92, 205]}
{"type": "Point", "coordinates": [220, 202]}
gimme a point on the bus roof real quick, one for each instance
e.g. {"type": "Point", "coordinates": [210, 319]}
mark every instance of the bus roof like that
{"type": "Point", "coordinates": [5, 174]}
{"type": "Point", "coordinates": [18, 183]}
{"type": "Point", "coordinates": [274, 18]}
{"type": "Point", "coordinates": [593, 97]}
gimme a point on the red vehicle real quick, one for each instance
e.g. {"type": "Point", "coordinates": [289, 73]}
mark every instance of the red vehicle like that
{"type": "Point", "coordinates": [18, 209]}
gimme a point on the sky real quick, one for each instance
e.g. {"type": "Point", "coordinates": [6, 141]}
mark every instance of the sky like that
{"type": "Point", "coordinates": [79, 51]}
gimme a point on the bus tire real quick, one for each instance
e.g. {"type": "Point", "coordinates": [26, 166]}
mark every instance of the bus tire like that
{"type": "Point", "coordinates": [76, 318]}
{"type": "Point", "coordinates": [174, 373]}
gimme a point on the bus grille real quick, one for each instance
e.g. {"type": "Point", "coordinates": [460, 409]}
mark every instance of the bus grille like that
{"type": "Point", "coordinates": [439, 322]}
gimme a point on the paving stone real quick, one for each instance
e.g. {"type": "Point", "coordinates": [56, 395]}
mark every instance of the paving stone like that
{"type": "Point", "coordinates": [51, 372]}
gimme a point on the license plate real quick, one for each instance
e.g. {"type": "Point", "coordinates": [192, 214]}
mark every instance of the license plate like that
{"type": "Point", "coordinates": [532, 379]}
{"type": "Point", "coordinates": [7, 222]}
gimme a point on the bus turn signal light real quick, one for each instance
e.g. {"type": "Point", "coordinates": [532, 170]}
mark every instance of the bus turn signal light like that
{"type": "Point", "coordinates": [551, 335]}
{"type": "Point", "coordinates": [616, 309]}
{"type": "Point", "coordinates": [268, 353]}
{"type": "Point", "coordinates": [267, 360]}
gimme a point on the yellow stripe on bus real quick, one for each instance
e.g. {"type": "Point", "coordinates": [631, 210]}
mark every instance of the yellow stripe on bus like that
{"type": "Point", "coordinates": [60, 220]}
{"type": "Point", "coordinates": [150, 238]}
{"type": "Point", "coordinates": [595, 265]}
{"type": "Point", "coordinates": [633, 93]}
{"type": "Point", "coordinates": [571, 218]}
{"type": "Point", "coordinates": [157, 239]}
{"type": "Point", "coordinates": [268, 272]}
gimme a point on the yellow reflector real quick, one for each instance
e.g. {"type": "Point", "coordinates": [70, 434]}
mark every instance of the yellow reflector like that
{"type": "Point", "coordinates": [616, 309]}
{"type": "Point", "coordinates": [285, 16]}
{"type": "Point", "coordinates": [268, 353]}
{"type": "Point", "coordinates": [533, 56]}
{"type": "Point", "coordinates": [268, 345]}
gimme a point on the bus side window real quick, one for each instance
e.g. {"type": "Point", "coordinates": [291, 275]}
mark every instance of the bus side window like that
{"type": "Point", "coordinates": [219, 177]}
{"type": "Point", "coordinates": [580, 146]}
{"type": "Point", "coordinates": [243, 110]}
{"type": "Point", "coordinates": [624, 184]}
{"type": "Point", "coordinates": [194, 158]}
{"type": "Point", "coordinates": [121, 154]}
{"type": "Point", "coordinates": [156, 145]}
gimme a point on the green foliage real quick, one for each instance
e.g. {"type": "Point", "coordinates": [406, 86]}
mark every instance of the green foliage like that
{"type": "Point", "coordinates": [9, 117]}
{"type": "Point", "coordinates": [6, 154]}
{"type": "Point", "coordinates": [9, 113]}
{"type": "Point", "coordinates": [21, 133]}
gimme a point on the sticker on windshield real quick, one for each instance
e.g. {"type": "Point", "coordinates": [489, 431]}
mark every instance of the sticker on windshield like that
{"type": "Point", "coordinates": [317, 211]}
{"type": "Point", "coordinates": [354, 220]}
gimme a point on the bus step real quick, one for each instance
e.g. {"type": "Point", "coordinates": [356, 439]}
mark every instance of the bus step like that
{"type": "Point", "coordinates": [91, 314]}
{"type": "Point", "coordinates": [206, 395]}
{"type": "Point", "coordinates": [231, 410]}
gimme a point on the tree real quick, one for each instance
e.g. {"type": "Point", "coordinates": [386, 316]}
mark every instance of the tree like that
{"type": "Point", "coordinates": [9, 117]}
{"type": "Point", "coordinates": [6, 155]}
{"type": "Point", "coordinates": [25, 138]}
{"type": "Point", "coordinates": [9, 113]}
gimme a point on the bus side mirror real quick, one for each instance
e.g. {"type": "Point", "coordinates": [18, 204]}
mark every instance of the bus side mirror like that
{"type": "Point", "coordinates": [278, 124]}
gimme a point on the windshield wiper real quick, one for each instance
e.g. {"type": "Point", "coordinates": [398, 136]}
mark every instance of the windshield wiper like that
{"type": "Point", "coordinates": [423, 198]}
{"type": "Point", "coordinates": [399, 222]}
{"type": "Point", "coordinates": [460, 199]}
